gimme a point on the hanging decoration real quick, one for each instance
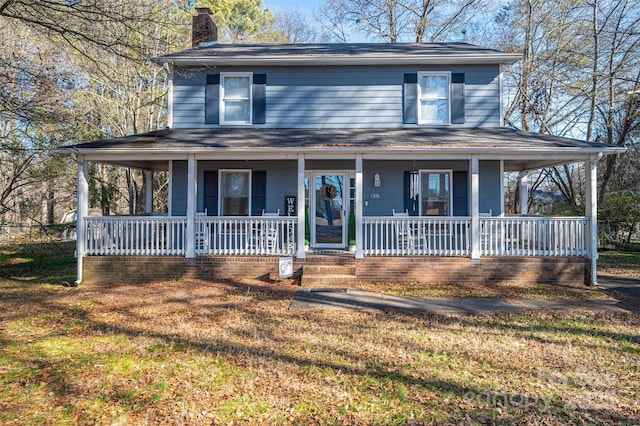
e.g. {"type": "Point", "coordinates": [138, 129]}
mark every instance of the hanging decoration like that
{"type": "Point", "coordinates": [328, 192]}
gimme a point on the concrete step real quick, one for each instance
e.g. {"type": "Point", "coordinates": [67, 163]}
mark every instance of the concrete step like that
{"type": "Point", "coordinates": [329, 281]}
{"type": "Point", "coordinates": [328, 276]}
{"type": "Point", "coordinates": [329, 269]}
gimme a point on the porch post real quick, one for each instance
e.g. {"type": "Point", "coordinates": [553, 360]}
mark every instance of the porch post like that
{"type": "Point", "coordinates": [191, 207]}
{"type": "Point", "coordinates": [475, 207]}
{"type": "Point", "coordinates": [591, 174]}
{"type": "Point", "coordinates": [524, 192]}
{"type": "Point", "coordinates": [300, 208]}
{"type": "Point", "coordinates": [82, 211]}
{"type": "Point", "coordinates": [148, 189]}
{"type": "Point", "coordinates": [358, 201]}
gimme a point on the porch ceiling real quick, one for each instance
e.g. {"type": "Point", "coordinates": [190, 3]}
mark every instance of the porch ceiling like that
{"type": "Point", "coordinates": [520, 150]}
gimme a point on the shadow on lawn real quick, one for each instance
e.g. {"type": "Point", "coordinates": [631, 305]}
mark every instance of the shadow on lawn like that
{"type": "Point", "coordinates": [261, 313]}
{"type": "Point", "coordinates": [155, 309]}
{"type": "Point", "coordinates": [38, 263]}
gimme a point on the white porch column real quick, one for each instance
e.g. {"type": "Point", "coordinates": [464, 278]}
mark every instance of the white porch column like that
{"type": "Point", "coordinates": [475, 207]}
{"type": "Point", "coordinates": [591, 175]}
{"type": "Point", "coordinates": [524, 192]}
{"type": "Point", "coordinates": [170, 192]}
{"type": "Point", "coordinates": [191, 207]}
{"type": "Point", "coordinates": [358, 201]}
{"type": "Point", "coordinates": [82, 211]}
{"type": "Point", "coordinates": [148, 190]}
{"type": "Point", "coordinates": [300, 208]}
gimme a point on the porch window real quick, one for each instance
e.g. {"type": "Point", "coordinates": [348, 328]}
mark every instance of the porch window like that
{"type": "Point", "coordinates": [433, 98]}
{"type": "Point", "coordinates": [435, 193]}
{"type": "Point", "coordinates": [235, 187]}
{"type": "Point", "coordinates": [235, 98]}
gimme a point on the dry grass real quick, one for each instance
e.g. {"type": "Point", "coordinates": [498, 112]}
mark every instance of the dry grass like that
{"type": "Point", "coordinates": [195, 352]}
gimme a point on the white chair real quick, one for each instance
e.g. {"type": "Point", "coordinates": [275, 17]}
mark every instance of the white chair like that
{"type": "Point", "coordinates": [264, 238]}
{"type": "Point", "coordinates": [202, 233]}
{"type": "Point", "coordinates": [406, 237]}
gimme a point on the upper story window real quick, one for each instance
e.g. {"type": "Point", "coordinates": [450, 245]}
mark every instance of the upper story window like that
{"type": "Point", "coordinates": [435, 193]}
{"type": "Point", "coordinates": [235, 98]}
{"type": "Point", "coordinates": [434, 98]}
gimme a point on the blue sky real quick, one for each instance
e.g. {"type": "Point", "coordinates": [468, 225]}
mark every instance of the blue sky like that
{"type": "Point", "coordinates": [304, 6]}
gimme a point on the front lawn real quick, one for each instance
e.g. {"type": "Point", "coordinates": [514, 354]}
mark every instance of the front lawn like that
{"type": "Point", "coordinates": [622, 263]}
{"type": "Point", "coordinates": [195, 352]}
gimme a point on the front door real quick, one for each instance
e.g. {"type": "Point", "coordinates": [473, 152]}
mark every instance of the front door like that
{"type": "Point", "coordinates": [329, 218]}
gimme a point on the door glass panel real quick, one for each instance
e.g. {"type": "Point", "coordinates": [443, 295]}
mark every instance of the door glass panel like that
{"type": "Point", "coordinates": [435, 194]}
{"type": "Point", "coordinates": [329, 214]}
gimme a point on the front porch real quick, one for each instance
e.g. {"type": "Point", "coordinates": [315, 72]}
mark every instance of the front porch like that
{"type": "Point", "coordinates": [397, 196]}
{"type": "Point", "coordinates": [513, 250]}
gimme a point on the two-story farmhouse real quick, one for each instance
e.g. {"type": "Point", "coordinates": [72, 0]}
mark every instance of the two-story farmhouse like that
{"type": "Point", "coordinates": [304, 150]}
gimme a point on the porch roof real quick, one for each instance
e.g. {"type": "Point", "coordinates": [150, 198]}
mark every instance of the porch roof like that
{"type": "Point", "coordinates": [520, 150]}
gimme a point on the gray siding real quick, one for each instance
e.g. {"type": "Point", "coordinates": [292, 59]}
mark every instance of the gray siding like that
{"type": "Point", "coordinates": [282, 181]}
{"type": "Point", "coordinates": [339, 97]}
{"type": "Point", "coordinates": [391, 191]}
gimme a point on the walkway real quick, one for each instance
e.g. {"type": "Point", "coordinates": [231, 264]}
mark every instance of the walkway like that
{"type": "Point", "coordinates": [359, 300]}
{"type": "Point", "coordinates": [629, 287]}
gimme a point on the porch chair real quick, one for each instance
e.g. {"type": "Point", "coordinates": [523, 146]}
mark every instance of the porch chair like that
{"type": "Point", "coordinates": [265, 234]}
{"type": "Point", "coordinates": [406, 236]}
{"type": "Point", "coordinates": [202, 233]}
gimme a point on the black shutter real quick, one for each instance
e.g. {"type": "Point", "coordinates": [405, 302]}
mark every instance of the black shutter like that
{"type": "Point", "coordinates": [211, 192]}
{"type": "Point", "coordinates": [258, 192]}
{"type": "Point", "coordinates": [460, 194]}
{"type": "Point", "coordinates": [411, 201]}
{"type": "Point", "coordinates": [410, 98]}
{"type": "Point", "coordinates": [259, 98]}
{"type": "Point", "coordinates": [457, 98]}
{"type": "Point", "coordinates": [212, 100]}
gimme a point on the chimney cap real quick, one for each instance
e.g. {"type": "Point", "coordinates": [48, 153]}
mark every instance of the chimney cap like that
{"type": "Point", "coordinates": [203, 11]}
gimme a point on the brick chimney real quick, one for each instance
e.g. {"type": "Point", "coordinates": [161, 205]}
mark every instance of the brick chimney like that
{"type": "Point", "coordinates": [203, 29]}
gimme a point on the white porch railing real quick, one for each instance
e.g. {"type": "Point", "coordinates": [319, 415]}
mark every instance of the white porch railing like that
{"type": "Point", "coordinates": [416, 236]}
{"type": "Point", "coordinates": [382, 236]}
{"type": "Point", "coordinates": [246, 236]}
{"type": "Point", "coordinates": [533, 236]}
{"type": "Point", "coordinates": [135, 235]}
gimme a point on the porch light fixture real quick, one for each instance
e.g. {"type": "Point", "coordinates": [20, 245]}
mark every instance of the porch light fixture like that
{"type": "Point", "coordinates": [376, 181]}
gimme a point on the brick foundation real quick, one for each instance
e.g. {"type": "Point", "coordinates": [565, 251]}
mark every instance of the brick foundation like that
{"type": "Point", "coordinates": [427, 270]}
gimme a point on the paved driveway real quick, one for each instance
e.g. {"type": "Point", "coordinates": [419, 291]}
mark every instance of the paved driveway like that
{"type": "Point", "coordinates": [629, 287]}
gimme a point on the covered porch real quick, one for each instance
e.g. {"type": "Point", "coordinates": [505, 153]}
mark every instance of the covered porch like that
{"type": "Point", "coordinates": [329, 189]}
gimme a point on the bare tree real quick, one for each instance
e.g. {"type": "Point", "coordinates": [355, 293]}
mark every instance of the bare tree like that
{"type": "Point", "coordinates": [398, 20]}
{"type": "Point", "coordinates": [295, 27]}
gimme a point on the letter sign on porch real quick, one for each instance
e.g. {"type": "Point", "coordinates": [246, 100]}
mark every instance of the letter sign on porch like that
{"type": "Point", "coordinates": [290, 205]}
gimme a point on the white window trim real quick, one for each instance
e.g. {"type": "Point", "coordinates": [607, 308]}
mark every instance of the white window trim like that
{"type": "Point", "coordinates": [220, 189]}
{"type": "Point", "coordinates": [223, 75]}
{"type": "Point", "coordinates": [420, 98]}
{"type": "Point", "coordinates": [441, 171]}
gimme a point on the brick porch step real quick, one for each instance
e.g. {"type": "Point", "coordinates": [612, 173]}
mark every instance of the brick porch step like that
{"type": "Point", "coordinates": [328, 276]}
